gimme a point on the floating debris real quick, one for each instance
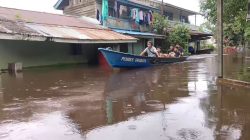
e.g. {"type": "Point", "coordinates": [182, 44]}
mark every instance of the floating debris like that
{"type": "Point", "coordinates": [143, 112]}
{"type": "Point", "coordinates": [129, 105]}
{"type": "Point", "coordinates": [54, 88]}
{"type": "Point", "coordinates": [38, 90]}
{"type": "Point", "coordinates": [160, 86]}
{"type": "Point", "coordinates": [132, 127]}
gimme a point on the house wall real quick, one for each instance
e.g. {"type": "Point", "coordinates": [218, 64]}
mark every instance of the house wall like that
{"type": "Point", "coordinates": [37, 53]}
{"type": "Point", "coordinates": [84, 8]}
{"type": "Point", "coordinates": [139, 46]}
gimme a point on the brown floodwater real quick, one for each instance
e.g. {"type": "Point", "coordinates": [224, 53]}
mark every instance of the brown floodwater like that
{"type": "Point", "coordinates": [172, 102]}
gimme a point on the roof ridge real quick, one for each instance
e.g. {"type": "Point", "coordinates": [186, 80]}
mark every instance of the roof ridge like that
{"type": "Point", "coordinates": [40, 12]}
{"type": "Point", "coordinates": [7, 20]}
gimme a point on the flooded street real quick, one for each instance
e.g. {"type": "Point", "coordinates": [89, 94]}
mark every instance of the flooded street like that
{"type": "Point", "coordinates": [172, 102]}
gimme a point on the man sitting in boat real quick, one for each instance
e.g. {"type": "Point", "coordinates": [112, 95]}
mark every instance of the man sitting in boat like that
{"type": "Point", "coordinates": [180, 50]}
{"type": "Point", "coordinates": [150, 50]}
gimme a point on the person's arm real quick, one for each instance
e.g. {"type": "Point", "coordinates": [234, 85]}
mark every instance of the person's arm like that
{"type": "Point", "coordinates": [143, 52]}
{"type": "Point", "coordinates": [157, 54]}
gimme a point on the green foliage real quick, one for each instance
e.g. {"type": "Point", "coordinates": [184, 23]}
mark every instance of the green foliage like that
{"type": "Point", "coordinates": [234, 17]}
{"type": "Point", "coordinates": [247, 32]}
{"type": "Point", "coordinates": [180, 35]}
{"type": "Point", "coordinates": [207, 27]}
{"type": "Point", "coordinates": [160, 24]}
{"type": "Point", "coordinates": [208, 46]}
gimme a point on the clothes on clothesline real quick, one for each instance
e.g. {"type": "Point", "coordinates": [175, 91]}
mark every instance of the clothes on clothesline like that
{"type": "Point", "coordinates": [99, 16]}
{"type": "Point", "coordinates": [115, 6]}
{"type": "Point", "coordinates": [141, 17]}
{"type": "Point", "coordinates": [135, 15]}
{"type": "Point", "coordinates": [123, 11]}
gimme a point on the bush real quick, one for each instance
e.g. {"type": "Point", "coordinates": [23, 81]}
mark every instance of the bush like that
{"type": "Point", "coordinates": [180, 35]}
{"type": "Point", "coordinates": [208, 46]}
{"type": "Point", "coordinates": [160, 24]}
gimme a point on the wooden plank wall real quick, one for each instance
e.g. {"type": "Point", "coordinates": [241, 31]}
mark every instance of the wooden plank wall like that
{"type": "Point", "coordinates": [85, 8]}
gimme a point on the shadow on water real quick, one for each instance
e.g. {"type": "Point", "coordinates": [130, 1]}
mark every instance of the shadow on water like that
{"type": "Point", "coordinates": [177, 101]}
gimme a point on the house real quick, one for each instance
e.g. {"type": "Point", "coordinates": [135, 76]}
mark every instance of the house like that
{"type": "Point", "coordinates": [121, 20]}
{"type": "Point", "coordinates": [40, 39]}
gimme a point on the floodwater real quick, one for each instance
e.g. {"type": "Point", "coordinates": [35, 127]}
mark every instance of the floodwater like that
{"type": "Point", "coordinates": [173, 102]}
{"type": "Point", "coordinates": [237, 66]}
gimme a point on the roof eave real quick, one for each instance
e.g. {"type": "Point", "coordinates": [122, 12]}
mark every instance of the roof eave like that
{"type": "Point", "coordinates": [27, 37]}
{"type": "Point", "coordinates": [183, 9]}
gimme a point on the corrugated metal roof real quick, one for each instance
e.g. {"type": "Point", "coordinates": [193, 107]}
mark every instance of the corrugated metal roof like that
{"type": "Point", "coordinates": [58, 27]}
{"type": "Point", "coordinates": [142, 34]}
{"type": "Point", "coordinates": [44, 18]}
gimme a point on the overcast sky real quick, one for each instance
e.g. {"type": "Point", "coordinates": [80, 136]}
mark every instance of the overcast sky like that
{"type": "Point", "coordinates": [47, 5]}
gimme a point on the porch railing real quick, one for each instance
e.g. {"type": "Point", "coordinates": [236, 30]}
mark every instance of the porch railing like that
{"type": "Point", "coordinates": [128, 24]}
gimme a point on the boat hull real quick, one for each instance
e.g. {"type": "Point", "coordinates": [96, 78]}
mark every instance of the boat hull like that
{"type": "Point", "coordinates": [125, 60]}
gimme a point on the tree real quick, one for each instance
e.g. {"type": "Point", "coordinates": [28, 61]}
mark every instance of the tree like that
{"type": "Point", "coordinates": [247, 32]}
{"type": "Point", "coordinates": [174, 35]}
{"type": "Point", "coordinates": [180, 35]}
{"type": "Point", "coordinates": [234, 17]}
{"type": "Point", "coordinates": [160, 24]}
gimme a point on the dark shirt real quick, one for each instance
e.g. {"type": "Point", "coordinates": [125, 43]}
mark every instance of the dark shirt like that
{"type": "Point", "coordinates": [181, 50]}
{"type": "Point", "coordinates": [177, 54]}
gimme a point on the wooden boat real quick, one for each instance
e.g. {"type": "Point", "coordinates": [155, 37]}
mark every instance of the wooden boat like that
{"type": "Point", "coordinates": [124, 60]}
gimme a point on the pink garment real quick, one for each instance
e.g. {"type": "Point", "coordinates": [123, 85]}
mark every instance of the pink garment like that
{"type": "Point", "coordinates": [141, 15]}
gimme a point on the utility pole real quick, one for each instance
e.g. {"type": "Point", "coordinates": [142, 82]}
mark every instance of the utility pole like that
{"type": "Point", "coordinates": [162, 7]}
{"type": "Point", "coordinates": [220, 37]}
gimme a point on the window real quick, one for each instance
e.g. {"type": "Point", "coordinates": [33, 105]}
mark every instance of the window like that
{"type": "Point", "coordinates": [184, 19]}
{"type": "Point", "coordinates": [111, 12]}
{"type": "Point", "coordinates": [169, 15]}
{"type": "Point", "coordinates": [124, 48]}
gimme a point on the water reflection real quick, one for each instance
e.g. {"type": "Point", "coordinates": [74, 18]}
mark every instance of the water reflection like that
{"type": "Point", "coordinates": [178, 101]}
{"type": "Point", "coordinates": [238, 66]}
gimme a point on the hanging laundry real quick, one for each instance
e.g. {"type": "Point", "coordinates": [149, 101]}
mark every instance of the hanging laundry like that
{"type": "Point", "coordinates": [97, 15]}
{"type": "Point", "coordinates": [146, 18]}
{"type": "Point", "coordinates": [115, 8]}
{"type": "Point", "coordinates": [137, 20]}
{"type": "Point", "coordinates": [118, 11]}
{"type": "Point", "coordinates": [141, 15]}
{"type": "Point", "coordinates": [150, 17]}
{"type": "Point", "coordinates": [132, 14]}
{"type": "Point", "coordinates": [123, 11]}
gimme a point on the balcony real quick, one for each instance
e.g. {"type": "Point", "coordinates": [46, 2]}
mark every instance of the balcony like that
{"type": "Point", "coordinates": [192, 27]}
{"type": "Point", "coordinates": [126, 24]}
